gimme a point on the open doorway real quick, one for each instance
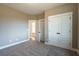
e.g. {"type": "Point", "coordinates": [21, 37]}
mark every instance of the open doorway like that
{"type": "Point", "coordinates": [32, 29]}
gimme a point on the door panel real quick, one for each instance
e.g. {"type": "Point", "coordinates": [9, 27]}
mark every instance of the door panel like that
{"type": "Point", "coordinates": [65, 31]}
{"type": "Point", "coordinates": [53, 29]}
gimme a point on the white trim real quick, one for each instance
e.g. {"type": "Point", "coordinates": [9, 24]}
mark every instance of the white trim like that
{"type": "Point", "coordinates": [6, 46]}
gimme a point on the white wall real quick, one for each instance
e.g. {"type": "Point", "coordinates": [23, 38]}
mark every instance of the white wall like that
{"type": "Point", "coordinates": [12, 32]}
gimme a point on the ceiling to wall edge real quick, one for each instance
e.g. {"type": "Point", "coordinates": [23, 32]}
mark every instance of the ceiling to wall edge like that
{"type": "Point", "coordinates": [33, 14]}
{"type": "Point", "coordinates": [38, 15]}
{"type": "Point", "coordinates": [21, 11]}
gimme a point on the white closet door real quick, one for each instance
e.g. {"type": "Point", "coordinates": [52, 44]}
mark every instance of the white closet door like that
{"type": "Point", "coordinates": [53, 29]}
{"type": "Point", "coordinates": [60, 30]}
{"type": "Point", "coordinates": [65, 31]}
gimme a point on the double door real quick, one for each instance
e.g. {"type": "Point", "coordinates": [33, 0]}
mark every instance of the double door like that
{"type": "Point", "coordinates": [60, 30]}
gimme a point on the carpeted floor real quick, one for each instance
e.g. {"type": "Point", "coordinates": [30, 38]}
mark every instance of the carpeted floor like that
{"type": "Point", "coordinates": [34, 48]}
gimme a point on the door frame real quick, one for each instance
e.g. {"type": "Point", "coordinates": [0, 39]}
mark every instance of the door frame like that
{"type": "Point", "coordinates": [70, 26]}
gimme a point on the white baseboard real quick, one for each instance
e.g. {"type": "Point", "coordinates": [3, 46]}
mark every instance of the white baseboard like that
{"type": "Point", "coordinates": [6, 46]}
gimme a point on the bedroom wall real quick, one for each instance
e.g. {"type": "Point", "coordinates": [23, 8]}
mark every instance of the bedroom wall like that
{"type": "Point", "coordinates": [14, 25]}
{"type": "Point", "coordinates": [63, 9]}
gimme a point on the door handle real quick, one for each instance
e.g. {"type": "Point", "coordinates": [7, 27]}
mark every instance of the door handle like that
{"type": "Point", "coordinates": [58, 33]}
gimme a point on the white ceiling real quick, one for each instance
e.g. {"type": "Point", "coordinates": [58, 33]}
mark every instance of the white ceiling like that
{"type": "Point", "coordinates": [32, 8]}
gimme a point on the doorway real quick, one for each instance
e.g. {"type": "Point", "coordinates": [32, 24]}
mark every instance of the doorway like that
{"type": "Point", "coordinates": [32, 29]}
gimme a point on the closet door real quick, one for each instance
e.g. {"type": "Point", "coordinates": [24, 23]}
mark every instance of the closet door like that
{"type": "Point", "coordinates": [53, 30]}
{"type": "Point", "coordinates": [60, 30]}
{"type": "Point", "coordinates": [66, 31]}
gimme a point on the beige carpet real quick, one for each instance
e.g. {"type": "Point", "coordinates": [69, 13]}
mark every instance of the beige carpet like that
{"type": "Point", "coordinates": [35, 48]}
